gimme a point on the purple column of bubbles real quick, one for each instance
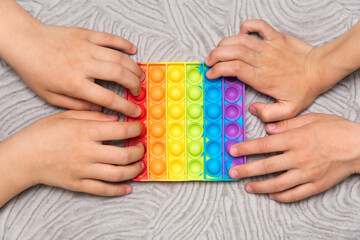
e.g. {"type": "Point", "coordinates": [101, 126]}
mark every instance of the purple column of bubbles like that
{"type": "Point", "coordinates": [234, 120]}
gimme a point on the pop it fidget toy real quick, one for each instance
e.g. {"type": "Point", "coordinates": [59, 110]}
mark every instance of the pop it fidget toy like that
{"type": "Point", "coordinates": [189, 123]}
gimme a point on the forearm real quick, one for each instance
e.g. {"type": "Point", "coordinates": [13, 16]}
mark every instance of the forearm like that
{"type": "Point", "coordinates": [339, 58]}
{"type": "Point", "coordinates": [14, 176]}
{"type": "Point", "coordinates": [15, 25]}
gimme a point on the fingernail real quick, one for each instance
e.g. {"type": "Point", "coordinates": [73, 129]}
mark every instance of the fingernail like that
{"type": "Point", "coordinates": [233, 151]}
{"type": "Point", "coordinates": [271, 196]}
{"type": "Point", "coordinates": [95, 108]}
{"type": "Point", "coordinates": [112, 116]}
{"type": "Point", "coordinates": [271, 126]}
{"type": "Point", "coordinates": [128, 190]}
{"type": "Point", "coordinates": [138, 111]}
{"type": "Point", "coordinates": [253, 110]}
{"type": "Point", "coordinates": [142, 77]}
{"type": "Point", "coordinates": [206, 60]}
{"type": "Point", "coordinates": [133, 49]}
{"type": "Point", "coordinates": [233, 173]}
{"type": "Point", "coordinates": [249, 189]}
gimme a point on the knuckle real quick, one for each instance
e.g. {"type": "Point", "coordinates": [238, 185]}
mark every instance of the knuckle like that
{"type": "Point", "coordinates": [108, 99]}
{"type": "Point", "coordinates": [116, 175]}
{"type": "Point", "coordinates": [237, 66]}
{"type": "Point", "coordinates": [268, 166]}
{"type": "Point", "coordinates": [279, 186]}
{"type": "Point", "coordinates": [263, 145]}
{"type": "Point", "coordinates": [101, 190]}
{"type": "Point", "coordinates": [125, 157]}
{"type": "Point", "coordinates": [262, 23]}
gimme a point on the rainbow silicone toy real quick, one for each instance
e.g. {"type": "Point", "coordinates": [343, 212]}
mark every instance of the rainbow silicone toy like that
{"type": "Point", "coordinates": [189, 121]}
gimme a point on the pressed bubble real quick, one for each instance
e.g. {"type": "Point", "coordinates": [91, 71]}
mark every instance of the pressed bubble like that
{"type": "Point", "coordinates": [213, 130]}
{"type": "Point", "coordinates": [157, 75]}
{"type": "Point", "coordinates": [176, 93]}
{"type": "Point", "coordinates": [213, 148]}
{"type": "Point", "coordinates": [157, 111]}
{"type": "Point", "coordinates": [213, 93]}
{"type": "Point", "coordinates": [213, 166]}
{"type": "Point", "coordinates": [232, 94]}
{"type": "Point", "coordinates": [195, 148]}
{"type": "Point", "coordinates": [194, 75]}
{"type": "Point", "coordinates": [143, 131]}
{"type": "Point", "coordinates": [157, 93]}
{"type": "Point", "coordinates": [141, 95]}
{"type": "Point", "coordinates": [176, 167]}
{"type": "Point", "coordinates": [194, 93]}
{"type": "Point", "coordinates": [228, 165]}
{"type": "Point", "coordinates": [233, 130]}
{"type": "Point", "coordinates": [157, 167]}
{"type": "Point", "coordinates": [157, 130]}
{"type": "Point", "coordinates": [213, 111]}
{"type": "Point", "coordinates": [143, 112]}
{"type": "Point", "coordinates": [195, 130]}
{"type": "Point", "coordinates": [176, 111]}
{"type": "Point", "coordinates": [177, 148]}
{"type": "Point", "coordinates": [158, 148]}
{"type": "Point", "coordinates": [195, 111]}
{"type": "Point", "coordinates": [195, 167]}
{"type": "Point", "coordinates": [232, 111]}
{"type": "Point", "coordinates": [176, 130]}
{"type": "Point", "coordinates": [176, 74]}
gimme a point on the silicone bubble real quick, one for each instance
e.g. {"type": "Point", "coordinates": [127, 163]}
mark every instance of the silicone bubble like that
{"type": "Point", "coordinates": [175, 74]}
{"type": "Point", "coordinates": [176, 111]}
{"type": "Point", "coordinates": [213, 93]}
{"type": "Point", "coordinates": [141, 95]}
{"type": "Point", "coordinates": [194, 93]}
{"type": "Point", "coordinates": [213, 166]}
{"type": "Point", "coordinates": [213, 148]}
{"type": "Point", "coordinates": [176, 148]}
{"type": "Point", "coordinates": [157, 75]}
{"type": "Point", "coordinates": [213, 130]}
{"type": "Point", "coordinates": [157, 130]}
{"type": "Point", "coordinates": [176, 167]}
{"type": "Point", "coordinates": [157, 148]}
{"type": "Point", "coordinates": [157, 111]}
{"type": "Point", "coordinates": [232, 94]}
{"type": "Point", "coordinates": [213, 111]}
{"type": "Point", "coordinates": [228, 146]}
{"type": "Point", "coordinates": [195, 130]}
{"type": "Point", "coordinates": [157, 93]}
{"type": "Point", "coordinates": [195, 167]}
{"type": "Point", "coordinates": [195, 111]}
{"type": "Point", "coordinates": [232, 111]}
{"type": "Point", "coordinates": [195, 148]}
{"type": "Point", "coordinates": [176, 93]}
{"type": "Point", "coordinates": [232, 130]}
{"type": "Point", "coordinates": [157, 167]}
{"type": "Point", "coordinates": [143, 131]}
{"type": "Point", "coordinates": [176, 130]}
{"type": "Point", "coordinates": [194, 75]}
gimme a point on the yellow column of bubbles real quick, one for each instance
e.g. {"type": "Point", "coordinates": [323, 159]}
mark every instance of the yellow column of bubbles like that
{"type": "Point", "coordinates": [176, 121]}
{"type": "Point", "coordinates": [157, 121]}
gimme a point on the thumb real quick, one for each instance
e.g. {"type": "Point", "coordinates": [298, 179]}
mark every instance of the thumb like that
{"type": "Point", "coordinates": [274, 111]}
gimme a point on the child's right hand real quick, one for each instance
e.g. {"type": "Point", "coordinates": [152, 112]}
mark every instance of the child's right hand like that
{"type": "Point", "coordinates": [61, 63]}
{"type": "Point", "coordinates": [66, 150]}
{"type": "Point", "coordinates": [279, 66]}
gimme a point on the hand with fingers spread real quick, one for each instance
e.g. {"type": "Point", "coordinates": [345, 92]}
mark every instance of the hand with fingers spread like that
{"type": "Point", "coordinates": [66, 150]}
{"type": "Point", "coordinates": [291, 71]}
{"type": "Point", "coordinates": [60, 63]}
{"type": "Point", "coordinates": [318, 151]}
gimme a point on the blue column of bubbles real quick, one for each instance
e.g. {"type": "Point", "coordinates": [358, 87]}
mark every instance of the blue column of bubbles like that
{"type": "Point", "coordinates": [213, 135]}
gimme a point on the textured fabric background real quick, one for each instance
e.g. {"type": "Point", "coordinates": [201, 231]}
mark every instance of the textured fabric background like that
{"type": "Point", "coordinates": [184, 31]}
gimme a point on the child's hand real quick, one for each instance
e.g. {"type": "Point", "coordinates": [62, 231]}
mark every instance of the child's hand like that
{"type": "Point", "coordinates": [280, 66]}
{"type": "Point", "coordinates": [319, 151]}
{"type": "Point", "coordinates": [66, 150]}
{"type": "Point", "coordinates": [60, 63]}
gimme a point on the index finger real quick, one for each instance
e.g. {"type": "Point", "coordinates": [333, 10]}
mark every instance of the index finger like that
{"type": "Point", "coordinates": [110, 40]}
{"type": "Point", "coordinates": [107, 131]}
{"type": "Point", "coordinates": [97, 94]}
{"type": "Point", "coordinates": [268, 144]}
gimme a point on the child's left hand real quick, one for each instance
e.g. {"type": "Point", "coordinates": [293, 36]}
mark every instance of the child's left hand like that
{"type": "Point", "coordinates": [319, 151]}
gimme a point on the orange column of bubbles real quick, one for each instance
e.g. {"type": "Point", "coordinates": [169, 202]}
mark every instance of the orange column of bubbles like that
{"type": "Point", "coordinates": [176, 121]}
{"type": "Point", "coordinates": [157, 121]}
